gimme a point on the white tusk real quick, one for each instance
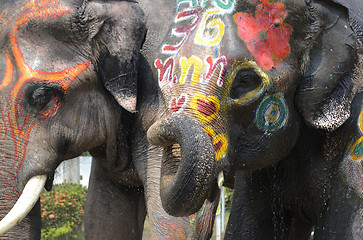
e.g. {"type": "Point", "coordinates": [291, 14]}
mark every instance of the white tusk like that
{"type": "Point", "coordinates": [25, 203]}
{"type": "Point", "coordinates": [220, 179]}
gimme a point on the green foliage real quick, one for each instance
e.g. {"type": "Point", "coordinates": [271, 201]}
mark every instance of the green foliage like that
{"type": "Point", "coordinates": [62, 211]}
{"type": "Point", "coordinates": [228, 197]}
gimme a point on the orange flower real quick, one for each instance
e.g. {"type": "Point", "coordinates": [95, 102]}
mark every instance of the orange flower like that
{"type": "Point", "coordinates": [51, 216]}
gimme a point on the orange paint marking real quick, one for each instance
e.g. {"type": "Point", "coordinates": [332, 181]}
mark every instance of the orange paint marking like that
{"type": "Point", "coordinates": [20, 130]}
{"type": "Point", "coordinates": [40, 9]}
{"type": "Point", "coordinates": [8, 76]}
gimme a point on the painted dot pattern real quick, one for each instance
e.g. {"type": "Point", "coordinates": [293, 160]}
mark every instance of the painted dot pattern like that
{"type": "Point", "coordinates": [271, 114]}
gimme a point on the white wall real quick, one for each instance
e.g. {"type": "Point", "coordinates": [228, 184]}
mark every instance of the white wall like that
{"type": "Point", "coordinates": [75, 170]}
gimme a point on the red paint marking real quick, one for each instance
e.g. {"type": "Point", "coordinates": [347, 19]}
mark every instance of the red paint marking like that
{"type": "Point", "coordinates": [169, 228]}
{"type": "Point", "coordinates": [185, 29]}
{"type": "Point", "coordinates": [265, 34]}
{"type": "Point", "coordinates": [217, 146]}
{"type": "Point", "coordinates": [176, 104]}
{"type": "Point", "coordinates": [207, 108]}
{"type": "Point", "coordinates": [162, 68]}
{"type": "Point", "coordinates": [222, 61]}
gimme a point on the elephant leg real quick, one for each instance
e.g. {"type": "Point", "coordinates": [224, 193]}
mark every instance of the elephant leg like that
{"type": "Point", "coordinates": [113, 211]}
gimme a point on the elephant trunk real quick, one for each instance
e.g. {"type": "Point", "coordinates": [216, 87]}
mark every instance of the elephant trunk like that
{"type": "Point", "coordinates": [188, 168]}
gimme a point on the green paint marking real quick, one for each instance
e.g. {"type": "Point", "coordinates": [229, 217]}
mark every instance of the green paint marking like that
{"type": "Point", "coordinates": [223, 5]}
{"type": "Point", "coordinates": [194, 2]}
{"type": "Point", "coordinates": [271, 114]}
{"type": "Point", "coordinates": [358, 150]}
{"type": "Point", "coordinates": [262, 36]}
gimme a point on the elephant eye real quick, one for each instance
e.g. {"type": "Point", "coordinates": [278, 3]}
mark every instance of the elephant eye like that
{"type": "Point", "coordinates": [41, 97]}
{"type": "Point", "coordinates": [244, 82]}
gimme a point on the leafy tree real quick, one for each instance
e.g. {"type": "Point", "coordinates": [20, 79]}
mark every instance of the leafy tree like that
{"type": "Point", "coordinates": [62, 212]}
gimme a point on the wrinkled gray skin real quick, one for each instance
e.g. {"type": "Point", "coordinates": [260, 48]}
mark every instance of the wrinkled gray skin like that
{"type": "Point", "coordinates": [90, 108]}
{"type": "Point", "coordinates": [297, 161]}
{"type": "Point", "coordinates": [46, 119]}
{"type": "Point", "coordinates": [115, 202]}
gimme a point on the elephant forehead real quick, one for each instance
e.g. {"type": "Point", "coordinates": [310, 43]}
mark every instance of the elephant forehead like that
{"type": "Point", "coordinates": [45, 53]}
{"type": "Point", "coordinates": [208, 38]}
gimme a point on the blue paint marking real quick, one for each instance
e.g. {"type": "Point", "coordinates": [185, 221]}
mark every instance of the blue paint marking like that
{"type": "Point", "coordinates": [156, 223]}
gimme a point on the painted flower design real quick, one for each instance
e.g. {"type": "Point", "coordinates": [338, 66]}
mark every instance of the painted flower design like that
{"type": "Point", "coordinates": [265, 34]}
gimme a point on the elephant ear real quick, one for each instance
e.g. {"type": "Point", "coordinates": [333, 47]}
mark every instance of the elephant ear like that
{"type": "Point", "coordinates": [118, 29]}
{"type": "Point", "coordinates": [328, 87]}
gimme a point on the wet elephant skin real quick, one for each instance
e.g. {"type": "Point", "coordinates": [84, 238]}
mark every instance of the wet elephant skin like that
{"type": "Point", "coordinates": [276, 87]}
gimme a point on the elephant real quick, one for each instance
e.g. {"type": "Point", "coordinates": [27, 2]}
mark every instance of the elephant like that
{"type": "Point", "coordinates": [108, 181]}
{"type": "Point", "coordinates": [268, 94]}
{"type": "Point", "coordinates": [52, 84]}
{"type": "Point", "coordinates": [69, 83]}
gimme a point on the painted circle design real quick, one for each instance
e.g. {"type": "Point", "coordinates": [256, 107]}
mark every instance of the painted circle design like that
{"type": "Point", "coordinates": [352, 167]}
{"type": "Point", "coordinates": [271, 114]}
{"type": "Point", "coordinates": [357, 150]}
{"type": "Point", "coordinates": [360, 122]}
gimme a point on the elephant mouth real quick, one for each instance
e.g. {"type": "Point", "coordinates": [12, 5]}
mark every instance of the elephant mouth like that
{"type": "Point", "coordinates": [170, 161]}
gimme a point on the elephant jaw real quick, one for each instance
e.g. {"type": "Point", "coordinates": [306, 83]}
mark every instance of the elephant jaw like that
{"type": "Point", "coordinates": [188, 170]}
{"type": "Point", "coordinates": [24, 204]}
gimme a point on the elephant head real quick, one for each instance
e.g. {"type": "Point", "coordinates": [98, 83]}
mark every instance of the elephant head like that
{"type": "Point", "coordinates": [238, 79]}
{"type": "Point", "coordinates": [68, 72]}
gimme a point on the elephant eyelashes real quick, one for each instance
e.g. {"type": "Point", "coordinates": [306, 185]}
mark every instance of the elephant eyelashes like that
{"type": "Point", "coordinates": [39, 96]}
{"type": "Point", "coordinates": [244, 82]}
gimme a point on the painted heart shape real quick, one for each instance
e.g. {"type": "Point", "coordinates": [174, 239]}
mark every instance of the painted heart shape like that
{"type": "Point", "coordinates": [220, 142]}
{"type": "Point", "coordinates": [205, 108]}
{"type": "Point", "coordinates": [177, 104]}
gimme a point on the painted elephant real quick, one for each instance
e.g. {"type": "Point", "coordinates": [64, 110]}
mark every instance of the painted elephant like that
{"type": "Point", "coordinates": [108, 180]}
{"type": "Point", "coordinates": [270, 90]}
{"type": "Point", "coordinates": [69, 83]}
{"type": "Point", "coordinates": [65, 70]}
